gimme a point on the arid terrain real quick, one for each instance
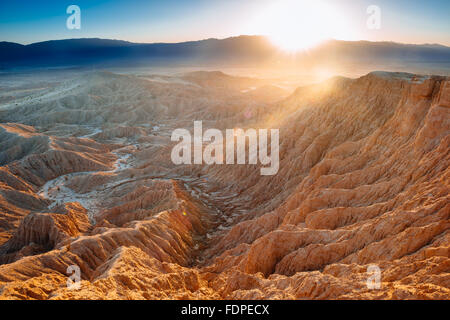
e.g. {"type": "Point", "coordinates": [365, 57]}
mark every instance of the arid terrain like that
{"type": "Point", "coordinates": [86, 179]}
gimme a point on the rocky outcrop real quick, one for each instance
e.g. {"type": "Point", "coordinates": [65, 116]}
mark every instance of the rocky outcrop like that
{"type": "Point", "coordinates": [45, 231]}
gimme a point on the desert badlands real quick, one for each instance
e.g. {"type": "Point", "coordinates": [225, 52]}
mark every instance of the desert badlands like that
{"type": "Point", "coordinates": [87, 183]}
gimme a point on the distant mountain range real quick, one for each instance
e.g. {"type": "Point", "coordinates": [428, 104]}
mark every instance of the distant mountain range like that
{"type": "Point", "coordinates": [242, 50]}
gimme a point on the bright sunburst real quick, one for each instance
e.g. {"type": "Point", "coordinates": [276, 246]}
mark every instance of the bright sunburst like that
{"type": "Point", "coordinates": [295, 25]}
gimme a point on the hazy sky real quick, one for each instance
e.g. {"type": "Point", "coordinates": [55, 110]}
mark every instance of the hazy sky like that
{"type": "Point", "coordinates": [408, 21]}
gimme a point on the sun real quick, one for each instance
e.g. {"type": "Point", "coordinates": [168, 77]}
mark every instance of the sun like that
{"type": "Point", "coordinates": [295, 25]}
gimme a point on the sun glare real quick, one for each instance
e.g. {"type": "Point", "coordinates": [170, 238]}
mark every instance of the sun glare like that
{"type": "Point", "coordinates": [295, 25]}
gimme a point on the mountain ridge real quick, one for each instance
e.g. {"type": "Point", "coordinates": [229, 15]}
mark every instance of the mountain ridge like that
{"type": "Point", "coordinates": [227, 38]}
{"type": "Point", "coordinates": [241, 50]}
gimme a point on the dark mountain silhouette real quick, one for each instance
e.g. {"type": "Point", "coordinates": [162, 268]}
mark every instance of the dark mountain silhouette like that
{"type": "Point", "coordinates": [233, 51]}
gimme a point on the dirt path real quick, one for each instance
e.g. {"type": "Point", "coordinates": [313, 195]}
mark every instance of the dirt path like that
{"type": "Point", "coordinates": [57, 190]}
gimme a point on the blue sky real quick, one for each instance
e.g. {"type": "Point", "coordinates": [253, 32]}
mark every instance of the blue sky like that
{"type": "Point", "coordinates": [413, 21]}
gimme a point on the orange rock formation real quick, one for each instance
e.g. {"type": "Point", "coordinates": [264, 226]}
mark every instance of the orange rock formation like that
{"type": "Point", "coordinates": [364, 180]}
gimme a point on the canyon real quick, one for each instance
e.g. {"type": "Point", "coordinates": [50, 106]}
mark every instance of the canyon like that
{"type": "Point", "coordinates": [86, 179]}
